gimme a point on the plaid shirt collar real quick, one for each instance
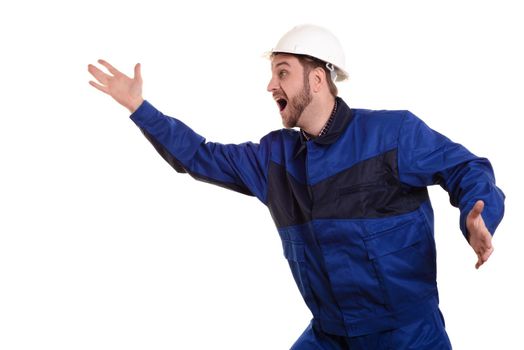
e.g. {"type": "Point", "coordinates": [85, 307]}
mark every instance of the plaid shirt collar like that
{"type": "Point", "coordinates": [325, 128]}
{"type": "Point", "coordinates": [340, 118]}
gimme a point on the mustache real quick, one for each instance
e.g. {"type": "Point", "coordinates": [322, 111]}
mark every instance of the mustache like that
{"type": "Point", "coordinates": [280, 93]}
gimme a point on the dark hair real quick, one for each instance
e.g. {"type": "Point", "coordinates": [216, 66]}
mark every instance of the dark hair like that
{"type": "Point", "coordinates": [309, 63]}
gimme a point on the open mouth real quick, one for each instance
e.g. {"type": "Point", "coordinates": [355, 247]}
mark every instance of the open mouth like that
{"type": "Point", "coordinates": [282, 103]}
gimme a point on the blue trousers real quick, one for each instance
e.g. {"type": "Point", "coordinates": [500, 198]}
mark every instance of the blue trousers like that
{"type": "Point", "coordinates": [427, 333]}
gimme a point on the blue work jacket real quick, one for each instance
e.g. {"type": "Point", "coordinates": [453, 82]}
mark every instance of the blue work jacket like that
{"type": "Point", "coordinates": [351, 207]}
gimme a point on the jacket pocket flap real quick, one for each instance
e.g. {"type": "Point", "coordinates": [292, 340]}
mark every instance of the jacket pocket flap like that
{"type": "Point", "coordinates": [393, 240]}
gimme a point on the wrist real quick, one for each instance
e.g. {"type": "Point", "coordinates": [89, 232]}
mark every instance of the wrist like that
{"type": "Point", "coordinates": [133, 106]}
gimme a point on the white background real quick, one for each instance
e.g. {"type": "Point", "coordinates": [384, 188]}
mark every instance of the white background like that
{"type": "Point", "coordinates": [104, 246]}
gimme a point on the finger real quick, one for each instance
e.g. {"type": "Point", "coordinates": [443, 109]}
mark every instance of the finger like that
{"type": "Point", "coordinates": [477, 209]}
{"type": "Point", "coordinates": [487, 253]}
{"type": "Point", "coordinates": [98, 74]}
{"type": "Point", "coordinates": [99, 87]}
{"type": "Point", "coordinates": [484, 256]}
{"type": "Point", "coordinates": [109, 67]}
{"type": "Point", "coordinates": [480, 261]}
{"type": "Point", "coordinates": [138, 74]}
{"type": "Point", "coordinates": [478, 264]}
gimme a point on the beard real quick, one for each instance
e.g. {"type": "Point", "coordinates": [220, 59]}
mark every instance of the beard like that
{"type": "Point", "coordinates": [297, 105]}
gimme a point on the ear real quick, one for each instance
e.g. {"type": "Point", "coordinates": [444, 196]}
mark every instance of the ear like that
{"type": "Point", "coordinates": [317, 79]}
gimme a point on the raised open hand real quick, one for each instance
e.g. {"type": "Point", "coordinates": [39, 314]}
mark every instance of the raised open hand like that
{"type": "Point", "coordinates": [125, 90]}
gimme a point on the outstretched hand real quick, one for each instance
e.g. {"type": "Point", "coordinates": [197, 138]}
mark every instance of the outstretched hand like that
{"type": "Point", "coordinates": [126, 91]}
{"type": "Point", "coordinates": [478, 235]}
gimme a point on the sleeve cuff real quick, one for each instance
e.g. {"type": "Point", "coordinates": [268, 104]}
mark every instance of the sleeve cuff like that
{"type": "Point", "coordinates": [143, 113]}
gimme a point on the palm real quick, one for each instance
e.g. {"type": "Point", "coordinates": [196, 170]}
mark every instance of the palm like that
{"type": "Point", "coordinates": [122, 86]}
{"type": "Point", "coordinates": [125, 90]}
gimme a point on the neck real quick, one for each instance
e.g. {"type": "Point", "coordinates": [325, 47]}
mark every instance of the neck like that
{"type": "Point", "coordinates": [316, 115]}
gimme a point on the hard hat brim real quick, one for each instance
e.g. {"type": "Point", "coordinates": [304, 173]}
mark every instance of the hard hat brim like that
{"type": "Point", "coordinates": [342, 75]}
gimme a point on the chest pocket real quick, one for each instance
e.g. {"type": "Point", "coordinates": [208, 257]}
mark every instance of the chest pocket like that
{"type": "Point", "coordinates": [369, 189]}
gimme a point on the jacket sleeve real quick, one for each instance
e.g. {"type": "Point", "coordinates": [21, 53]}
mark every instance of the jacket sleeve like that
{"type": "Point", "coordinates": [242, 168]}
{"type": "Point", "coordinates": [426, 157]}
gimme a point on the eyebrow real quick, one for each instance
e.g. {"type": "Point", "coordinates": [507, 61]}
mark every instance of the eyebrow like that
{"type": "Point", "coordinates": [282, 63]}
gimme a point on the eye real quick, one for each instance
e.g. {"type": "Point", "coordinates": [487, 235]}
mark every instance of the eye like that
{"type": "Point", "coordinates": [282, 74]}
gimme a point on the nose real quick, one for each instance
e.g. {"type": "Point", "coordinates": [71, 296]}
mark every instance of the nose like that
{"type": "Point", "coordinates": [272, 86]}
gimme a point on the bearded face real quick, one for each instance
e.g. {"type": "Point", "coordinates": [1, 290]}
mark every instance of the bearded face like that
{"type": "Point", "coordinates": [291, 109]}
{"type": "Point", "coordinates": [290, 88]}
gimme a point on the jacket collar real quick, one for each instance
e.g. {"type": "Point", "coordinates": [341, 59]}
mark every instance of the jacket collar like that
{"type": "Point", "coordinates": [341, 120]}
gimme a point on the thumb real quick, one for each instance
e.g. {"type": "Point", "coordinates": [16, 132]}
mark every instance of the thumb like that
{"type": "Point", "coordinates": [138, 74]}
{"type": "Point", "coordinates": [477, 209]}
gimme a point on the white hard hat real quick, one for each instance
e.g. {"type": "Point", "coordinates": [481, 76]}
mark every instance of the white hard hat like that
{"type": "Point", "coordinates": [317, 42]}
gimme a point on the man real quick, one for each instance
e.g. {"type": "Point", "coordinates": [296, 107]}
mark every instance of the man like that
{"type": "Point", "coordinates": [347, 193]}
